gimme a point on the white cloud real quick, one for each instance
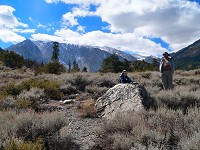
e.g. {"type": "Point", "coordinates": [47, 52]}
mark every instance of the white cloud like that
{"type": "Point", "coordinates": [23, 31]}
{"type": "Point", "coordinates": [79, 2]}
{"type": "Point", "coordinates": [52, 1]}
{"type": "Point", "coordinates": [80, 29]}
{"type": "Point", "coordinates": [7, 35]}
{"type": "Point", "coordinates": [28, 31]}
{"type": "Point", "coordinates": [9, 24]}
{"type": "Point", "coordinates": [121, 41]}
{"type": "Point", "coordinates": [46, 37]}
{"type": "Point", "coordinates": [174, 21]}
{"type": "Point", "coordinates": [7, 19]}
{"type": "Point", "coordinates": [71, 18]}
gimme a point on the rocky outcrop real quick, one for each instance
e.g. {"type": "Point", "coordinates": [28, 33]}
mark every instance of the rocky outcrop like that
{"type": "Point", "coordinates": [122, 98]}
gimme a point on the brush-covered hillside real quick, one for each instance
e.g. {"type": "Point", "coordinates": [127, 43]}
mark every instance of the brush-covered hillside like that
{"type": "Point", "coordinates": [189, 57]}
{"type": "Point", "coordinates": [48, 111]}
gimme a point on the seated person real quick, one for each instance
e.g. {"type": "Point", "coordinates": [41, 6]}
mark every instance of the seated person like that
{"type": "Point", "coordinates": [124, 78]}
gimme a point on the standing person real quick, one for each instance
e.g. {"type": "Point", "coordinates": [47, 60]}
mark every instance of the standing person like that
{"type": "Point", "coordinates": [167, 68]}
{"type": "Point", "coordinates": [124, 77]}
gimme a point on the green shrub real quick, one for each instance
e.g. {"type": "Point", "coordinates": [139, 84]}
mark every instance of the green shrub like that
{"type": "Point", "coordinates": [54, 68]}
{"type": "Point", "coordinates": [51, 88]}
{"type": "Point", "coordinates": [12, 60]}
{"type": "Point", "coordinates": [36, 145]}
{"type": "Point", "coordinates": [12, 89]}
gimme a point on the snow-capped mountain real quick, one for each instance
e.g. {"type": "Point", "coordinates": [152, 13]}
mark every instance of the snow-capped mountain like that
{"type": "Point", "coordinates": [85, 56]}
{"type": "Point", "coordinates": [119, 53]}
{"type": "Point", "coordinates": [28, 50]}
{"type": "Point", "coordinates": [139, 57]}
{"type": "Point", "coordinates": [149, 59]}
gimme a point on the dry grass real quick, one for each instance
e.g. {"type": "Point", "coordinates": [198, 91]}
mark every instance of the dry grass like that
{"type": "Point", "coordinates": [163, 128]}
{"type": "Point", "coordinates": [23, 129]}
{"type": "Point", "coordinates": [174, 124]}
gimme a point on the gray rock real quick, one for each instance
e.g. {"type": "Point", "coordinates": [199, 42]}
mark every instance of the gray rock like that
{"type": "Point", "coordinates": [122, 98]}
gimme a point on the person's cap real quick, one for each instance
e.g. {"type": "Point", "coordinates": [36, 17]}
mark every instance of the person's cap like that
{"type": "Point", "coordinates": [166, 53]}
{"type": "Point", "coordinates": [124, 71]}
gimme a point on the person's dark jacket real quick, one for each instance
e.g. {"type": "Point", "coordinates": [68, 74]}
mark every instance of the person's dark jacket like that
{"type": "Point", "coordinates": [124, 79]}
{"type": "Point", "coordinates": [171, 62]}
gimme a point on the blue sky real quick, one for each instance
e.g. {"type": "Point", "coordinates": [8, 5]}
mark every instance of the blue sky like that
{"type": "Point", "coordinates": [147, 27]}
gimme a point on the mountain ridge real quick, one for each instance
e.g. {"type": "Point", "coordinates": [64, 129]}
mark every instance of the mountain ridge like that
{"type": "Point", "coordinates": [188, 57]}
{"type": "Point", "coordinates": [92, 57]}
{"type": "Point", "coordinates": [85, 56]}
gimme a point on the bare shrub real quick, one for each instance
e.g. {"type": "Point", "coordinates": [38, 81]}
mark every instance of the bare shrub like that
{"type": "Point", "coordinates": [8, 103]}
{"type": "Point", "coordinates": [28, 126]}
{"type": "Point", "coordinates": [51, 88]}
{"type": "Point", "coordinates": [102, 82]}
{"type": "Point", "coordinates": [33, 94]}
{"type": "Point", "coordinates": [24, 123]}
{"type": "Point", "coordinates": [25, 104]}
{"type": "Point", "coordinates": [161, 129]}
{"type": "Point", "coordinates": [192, 143]}
{"type": "Point", "coordinates": [86, 109]}
{"type": "Point", "coordinates": [69, 89]}
{"type": "Point", "coordinates": [180, 97]}
{"type": "Point", "coordinates": [30, 99]}
{"type": "Point", "coordinates": [79, 82]}
{"type": "Point", "coordinates": [63, 141]}
{"type": "Point", "coordinates": [146, 75]}
{"type": "Point", "coordinates": [170, 98]}
{"type": "Point", "coordinates": [122, 142]}
{"type": "Point", "coordinates": [96, 91]}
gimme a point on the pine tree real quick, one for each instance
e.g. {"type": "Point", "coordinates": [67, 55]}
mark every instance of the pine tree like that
{"type": "Point", "coordinates": [112, 64]}
{"type": "Point", "coordinates": [155, 64]}
{"type": "Point", "coordinates": [55, 51]}
{"type": "Point", "coordinates": [11, 59]}
{"type": "Point", "coordinates": [75, 67]}
{"type": "Point", "coordinates": [126, 65]}
{"type": "Point", "coordinates": [84, 69]}
{"type": "Point", "coordinates": [54, 67]}
{"type": "Point", "coordinates": [70, 67]}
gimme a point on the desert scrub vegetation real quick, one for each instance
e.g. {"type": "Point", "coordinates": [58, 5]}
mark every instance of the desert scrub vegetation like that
{"type": "Point", "coordinates": [29, 93]}
{"type": "Point", "coordinates": [86, 109]}
{"type": "Point", "coordinates": [30, 130]}
{"type": "Point", "coordinates": [161, 129]}
{"type": "Point", "coordinates": [173, 125]}
{"type": "Point", "coordinates": [185, 93]}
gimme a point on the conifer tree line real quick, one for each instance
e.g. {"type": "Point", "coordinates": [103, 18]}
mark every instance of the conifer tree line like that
{"type": "Point", "coordinates": [113, 64]}
{"type": "Point", "coordinates": [13, 60]}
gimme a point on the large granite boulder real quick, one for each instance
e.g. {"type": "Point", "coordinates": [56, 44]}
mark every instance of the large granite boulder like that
{"type": "Point", "coordinates": [122, 98]}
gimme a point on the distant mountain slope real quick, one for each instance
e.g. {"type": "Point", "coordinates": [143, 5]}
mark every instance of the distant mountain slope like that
{"type": "Point", "coordinates": [92, 57]}
{"type": "Point", "coordinates": [28, 50]}
{"type": "Point", "coordinates": [188, 57]}
{"type": "Point", "coordinates": [85, 56]}
{"type": "Point", "coordinates": [119, 53]}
